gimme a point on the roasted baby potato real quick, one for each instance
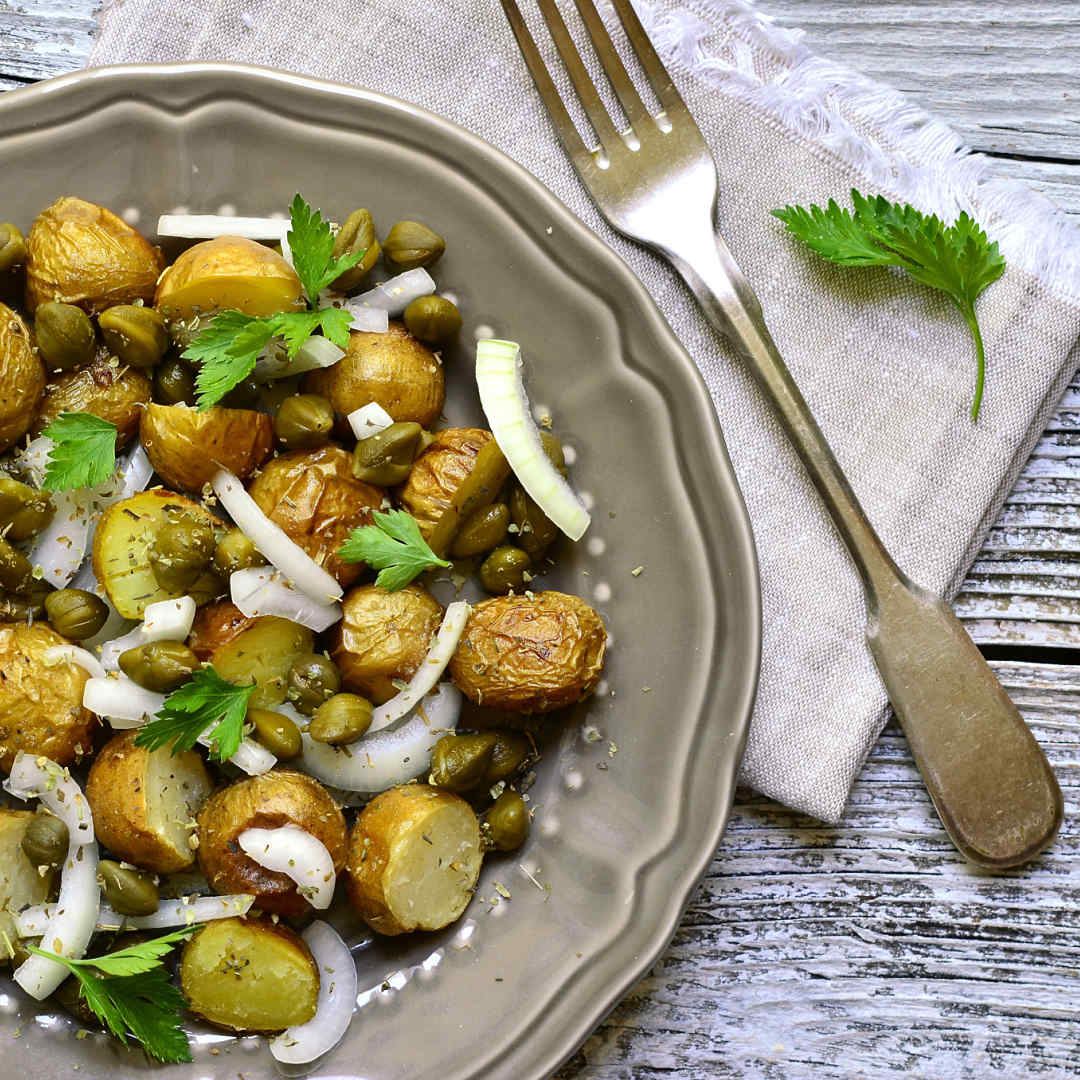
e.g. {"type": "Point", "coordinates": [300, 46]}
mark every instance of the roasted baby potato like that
{"type": "Point", "coordinates": [268, 801]}
{"type": "Point", "coordinates": [228, 273]}
{"type": "Point", "coordinates": [41, 708]}
{"type": "Point", "coordinates": [144, 802]}
{"type": "Point", "coordinates": [383, 636]}
{"type": "Point", "coordinates": [249, 975]}
{"type": "Point", "coordinates": [393, 369]}
{"type": "Point", "coordinates": [414, 859]}
{"type": "Point", "coordinates": [262, 651]}
{"type": "Point", "coordinates": [530, 653]}
{"type": "Point", "coordinates": [459, 473]}
{"type": "Point", "coordinates": [108, 390]}
{"type": "Point", "coordinates": [20, 882]}
{"type": "Point", "coordinates": [122, 544]}
{"type": "Point", "coordinates": [186, 447]}
{"type": "Point", "coordinates": [216, 625]}
{"type": "Point", "coordinates": [22, 378]}
{"type": "Point", "coordinates": [314, 497]}
{"type": "Point", "coordinates": [80, 253]}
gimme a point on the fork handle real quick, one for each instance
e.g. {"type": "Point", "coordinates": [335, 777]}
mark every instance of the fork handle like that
{"type": "Point", "coordinates": [990, 782]}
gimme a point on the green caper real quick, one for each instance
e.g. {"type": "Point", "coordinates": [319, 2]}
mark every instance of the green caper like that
{"type": "Point", "coordinates": [481, 531]}
{"type": "Point", "coordinates": [135, 334]}
{"type": "Point", "coordinates": [64, 335]}
{"type": "Point", "coordinates": [507, 822]}
{"type": "Point", "coordinates": [276, 732]}
{"type": "Point", "coordinates": [304, 422]}
{"type": "Point", "coordinates": [385, 458]}
{"type": "Point", "coordinates": [24, 511]}
{"type": "Point", "coordinates": [128, 892]}
{"type": "Point", "coordinates": [160, 666]}
{"type": "Point", "coordinates": [341, 720]}
{"type": "Point", "coordinates": [504, 569]}
{"type": "Point", "coordinates": [45, 841]}
{"type": "Point", "coordinates": [12, 247]}
{"type": "Point", "coordinates": [16, 571]}
{"type": "Point", "coordinates": [235, 551]}
{"type": "Point", "coordinates": [355, 235]}
{"type": "Point", "coordinates": [536, 532]}
{"type": "Point", "coordinates": [554, 451]}
{"type": "Point", "coordinates": [174, 383]}
{"type": "Point", "coordinates": [243, 395]}
{"type": "Point", "coordinates": [312, 680]}
{"type": "Point", "coordinates": [432, 319]}
{"type": "Point", "coordinates": [181, 551]}
{"type": "Point", "coordinates": [508, 756]}
{"type": "Point", "coordinates": [460, 762]}
{"type": "Point", "coordinates": [409, 244]}
{"type": "Point", "coordinates": [76, 613]}
{"type": "Point", "coordinates": [479, 489]}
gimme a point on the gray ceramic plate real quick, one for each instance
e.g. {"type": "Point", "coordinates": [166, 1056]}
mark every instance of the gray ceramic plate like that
{"type": "Point", "coordinates": [622, 831]}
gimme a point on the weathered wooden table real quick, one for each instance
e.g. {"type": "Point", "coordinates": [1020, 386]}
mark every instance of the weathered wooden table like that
{"type": "Point", "coordinates": [871, 949]}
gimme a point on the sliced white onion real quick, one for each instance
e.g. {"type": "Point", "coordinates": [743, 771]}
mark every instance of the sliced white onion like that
{"type": "Point", "coordinates": [429, 671]}
{"type": "Point", "coordinates": [506, 406]}
{"type": "Point", "coordinates": [210, 226]}
{"type": "Point", "coordinates": [369, 420]}
{"type": "Point", "coordinates": [31, 921]}
{"type": "Point", "coordinates": [72, 654]}
{"type": "Point", "coordinates": [60, 548]}
{"type": "Point", "coordinates": [260, 590]}
{"type": "Point", "coordinates": [251, 757]}
{"type": "Point", "coordinates": [286, 247]}
{"type": "Point", "coordinates": [377, 762]}
{"type": "Point", "coordinates": [395, 295]}
{"type": "Point", "coordinates": [35, 458]}
{"type": "Point", "coordinates": [165, 620]}
{"type": "Point", "coordinates": [366, 319]}
{"type": "Point", "coordinates": [295, 563]}
{"type": "Point", "coordinates": [297, 854]}
{"type": "Point", "coordinates": [274, 362]}
{"type": "Point", "coordinates": [122, 701]}
{"type": "Point", "coordinates": [336, 1004]}
{"type": "Point", "coordinates": [35, 777]}
{"type": "Point", "coordinates": [134, 474]}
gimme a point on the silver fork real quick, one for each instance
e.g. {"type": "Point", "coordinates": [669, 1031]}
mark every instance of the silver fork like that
{"type": "Point", "coordinates": [990, 781]}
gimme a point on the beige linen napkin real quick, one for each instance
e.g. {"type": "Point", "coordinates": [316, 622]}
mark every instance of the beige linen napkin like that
{"type": "Point", "coordinates": [886, 365]}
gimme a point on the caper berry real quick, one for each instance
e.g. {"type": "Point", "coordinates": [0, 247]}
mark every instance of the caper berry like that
{"type": "Point", "coordinates": [160, 666]}
{"type": "Point", "coordinates": [16, 571]}
{"type": "Point", "coordinates": [355, 235]}
{"type": "Point", "coordinates": [135, 334]}
{"type": "Point", "coordinates": [277, 733]}
{"type": "Point", "coordinates": [312, 680]}
{"type": "Point", "coordinates": [409, 245]}
{"type": "Point", "coordinates": [64, 335]}
{"type": "Point", "coordinates": [504, 569]}
{"type": "Point", "coordinates": [24, 511]}
{"type": "Point", "coordinates": [508, 756]}
{"type": "Point", "coordinates": [385, 458]}
{"type": "Point", "coordinates": [235, 551]}
{"type": "Point", "coordinates": [481, 531]}
{"type": "Point", "coordinates": [174, 383]}
{"type": "Point", "coordinates": [432, 319]}
{"type": "Point", "coordinates": [304, 422]}
{"type": "Point", "coordinates": [128, 892]}
{"type": "Point", "coordinates": [243, 395]}
{"type": "Point", "coordinates": [536, 532]}
{"type": "Point", "coordinates": [76, 613]}
{"type": "Point", "coordinates": [181, 551]}
{"type": "Point", "coordinates": [45, 841]}
{"type": "Point", "coordinates": [460, 762]}
{"type": "Point", "coordinates": [12, 247]}
{"type": "Point", "coordinates": [507, 822]}
{"type": "Point", "coordinates": [341, 720]}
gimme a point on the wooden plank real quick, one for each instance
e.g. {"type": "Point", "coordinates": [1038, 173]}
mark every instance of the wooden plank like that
{"type": "Point", "coordinates": [40, 38]}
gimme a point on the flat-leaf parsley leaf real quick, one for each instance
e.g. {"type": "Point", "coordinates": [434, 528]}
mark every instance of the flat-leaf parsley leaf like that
{"type": "Point", "coordinates": [393, 546]}
{"type": "Point", "coordinates": [83, 452]}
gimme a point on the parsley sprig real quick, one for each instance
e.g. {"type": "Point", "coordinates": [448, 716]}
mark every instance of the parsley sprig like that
{"type": "Point", "coordinates": [205, 701]}
{"type": "Point", "coordinates": [393, 546]}
{"type": "Point", "coordinates": [83, 452]}
{"type": "Point", "coordinates": [129, 991]}
{"type": "Point", "coordinates": [227, 348]}
{"type": "Point", "coordinates": [958, 259]}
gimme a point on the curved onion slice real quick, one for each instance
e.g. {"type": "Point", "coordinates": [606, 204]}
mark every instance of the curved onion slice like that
{"type": "Point", "coordinates": [369, 420]}
{"type": "Point", "coordinates": [274, 362]}
{"type": "Point", "coordinates": [165, 620]}
{"type": "Point", "coordinates": [506, 406]}
{"type": "Point", "coordinates": [377, 762]}
{"type": "Point", "coordinates": [134, 474]}
{"type": "Point", "coordinates": [31, 921]}
{"type": "Point", "coordinates": [337, 1000]}
{"type": "Point", "coordinates": [72, 654]}
{"type": "Point", "coordinates": [368, 320]}
{"type": "Point", "coordinates": [252, 757]}
{"type": "Point", "coordinates": [121, 700]}
{"type": "Point", "coordinates": [209, 226]}
{"type": "Point", "coordinates": [395, 295]}
{"type": "Point", "coordinates": [295, 563]}
{"type": "Point", "coordinates": [297, 854]}
{"type": "Point", "coordinates": [429, 671]}
{"type": "Point", "coordinates": [36, 777]}
{"type": "Point", "coordinates": [60, 548]}
{"type": "Point", "coordinates": [261, 591]}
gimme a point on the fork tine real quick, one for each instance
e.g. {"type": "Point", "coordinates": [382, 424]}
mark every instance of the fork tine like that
{"type": "Point", "coordinates": [636, 112]}
{"type": "Point", "coordinates": [654, 68]}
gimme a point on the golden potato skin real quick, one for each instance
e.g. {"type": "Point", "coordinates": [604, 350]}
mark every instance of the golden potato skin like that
{"type": "Point", "coordinates": [280, 797]}
{"type": "Point", "coordinates": [123, 803]}
{"type": "Point", "coordinates": [186, 447]}
{"type": "Point", "coordinates": [108, 390]}
{"type": "Point", "coordinates": [228, 272]}
{"type": "Point", "coordinates": [216, 625]}
{"type": "Point", "coordinates": [383, 636]}
{"type": "Point", "coordinates": [393, 369]}
{"type": "Point", "coordinates": [22, 378]}
{"type": "Point", "coordinates": [314, 497]}
{"type": "Point", "coordinates": [41, 708]}
{"type": "Point", "coordinates": [531, 653]}
{"type": "Point", "coordinates": [81, 253]}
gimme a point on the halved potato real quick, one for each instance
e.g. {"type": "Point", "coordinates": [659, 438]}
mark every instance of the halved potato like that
{"type": "Point", "coordinates": [20, 883]}
{"type": "Point", "coordinates": [249, 975]}
{"type": "Point", "coordinates": [122, 545]}
{"type": "Point", "coordinates": [186, 447]}
{"type": "Point", "coordinates": [263, 652]}
{"type": "Point", "coordinates": [144, 802]}
{"type": "Point", "coordinates": [231, 273]}
{"type": "Point", "coordinates": [414, 859]}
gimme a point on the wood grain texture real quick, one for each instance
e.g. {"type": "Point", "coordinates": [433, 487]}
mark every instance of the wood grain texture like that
{"type": "Point", "coordinates": [870, 949]}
